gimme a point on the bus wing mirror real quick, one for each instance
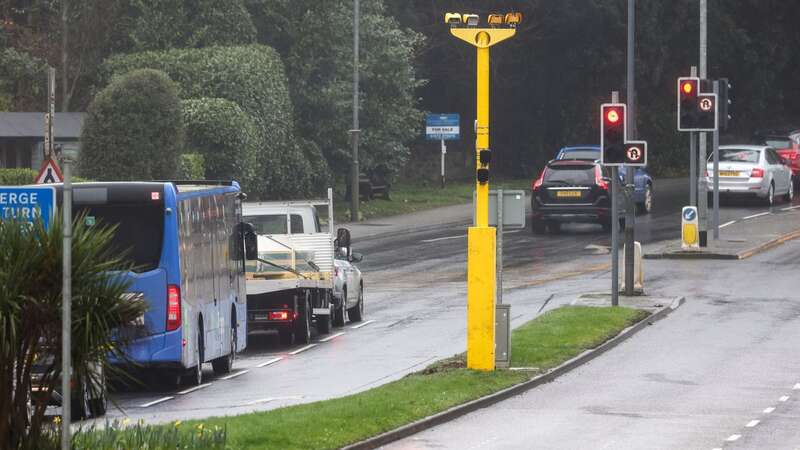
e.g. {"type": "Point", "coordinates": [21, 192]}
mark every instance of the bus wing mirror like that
{"type": "Point", "coordinates": [250, 241]}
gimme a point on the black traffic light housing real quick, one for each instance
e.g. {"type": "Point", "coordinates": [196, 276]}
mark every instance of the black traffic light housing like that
{"type": "Point", "coordinates": [725, 102]}
{"type": "Point", "coordinates": [613, 133]}
{"type": "Point", "coordinates": [696, 111]}
{"type": "Point", "coordinates": [484, 158]}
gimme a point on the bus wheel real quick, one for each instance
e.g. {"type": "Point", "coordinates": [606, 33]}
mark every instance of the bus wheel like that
{"type": "Point", "coordinates": [196, 375]}
{"type": "Point", "coordinates": [224, 364]}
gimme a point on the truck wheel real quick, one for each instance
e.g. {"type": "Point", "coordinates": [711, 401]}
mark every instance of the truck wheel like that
{"type": "Point", "coordinates": [224, 364]}
{"type": "Point", "coordinates": [302, 332]}
{"type": "Point", "coordinates": [356, 313]}
{"type": "Point", "coordinates": [338, 314]}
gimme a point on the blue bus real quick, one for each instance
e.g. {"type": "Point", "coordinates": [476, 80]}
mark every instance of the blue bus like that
{"type": "Point", "coordinates": [185, 242]}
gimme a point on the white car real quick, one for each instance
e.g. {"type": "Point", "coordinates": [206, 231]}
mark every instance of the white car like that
{"type": "Point", "coordinates": [348, 288]}
{"type": "Point", "coordinates": [752, 170]}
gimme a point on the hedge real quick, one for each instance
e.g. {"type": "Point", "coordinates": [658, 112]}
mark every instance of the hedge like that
{"type": "Point", "coordinates": [252, 77]}
{"type": "Point", "coordinates": [226, 136]}
{"type": "Point", "coordinates": [16, 177]}
{"type": "Point", "coordinates": [133, 129]}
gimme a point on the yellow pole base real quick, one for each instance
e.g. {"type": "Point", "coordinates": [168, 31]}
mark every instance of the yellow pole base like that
{"type": "Point", "coordinates": [480, 297]}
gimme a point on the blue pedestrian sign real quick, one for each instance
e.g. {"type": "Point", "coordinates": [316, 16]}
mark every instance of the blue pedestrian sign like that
{"type": "Point", "coordinates": [442, 127]}
{"type": "Point", "coordinates": [26, 204]}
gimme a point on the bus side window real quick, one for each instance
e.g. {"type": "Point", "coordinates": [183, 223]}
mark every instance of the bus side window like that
{"type": "Point", "coordinates": [297, 224]}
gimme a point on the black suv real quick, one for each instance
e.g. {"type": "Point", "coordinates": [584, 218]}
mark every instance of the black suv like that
{"type": "Point", "coordinates": [571, 191]}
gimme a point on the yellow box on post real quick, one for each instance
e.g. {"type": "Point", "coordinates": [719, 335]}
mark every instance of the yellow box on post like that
{"type": "Point", "coordinates": [481, 289]}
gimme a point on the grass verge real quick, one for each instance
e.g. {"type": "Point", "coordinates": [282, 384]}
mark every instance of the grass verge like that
{"type": "Point", "coordinates": [543, 343]}
{"type": "Point", "coordinates": [412, 197]}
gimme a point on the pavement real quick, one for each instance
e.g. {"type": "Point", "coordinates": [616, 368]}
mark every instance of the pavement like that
{"type": "Point", "coordinates": [739, 238]}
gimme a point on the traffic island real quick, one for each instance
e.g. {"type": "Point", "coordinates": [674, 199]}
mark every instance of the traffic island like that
{"type": "Point", "coordinates": [740, 239]}
{"type": "Point", "coordinates": [542, 350]}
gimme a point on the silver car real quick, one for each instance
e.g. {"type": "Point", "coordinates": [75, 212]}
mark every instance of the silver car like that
{"type": "Point", "coordinates": [348, 288]}
{"type": "Point", "coordinates": [752, 170]}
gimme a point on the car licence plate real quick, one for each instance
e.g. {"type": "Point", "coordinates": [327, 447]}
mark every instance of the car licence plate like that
{"type": "Point", "coordinates": [568, 194]}
{"type": "Point", "coordinates": [728, 173]}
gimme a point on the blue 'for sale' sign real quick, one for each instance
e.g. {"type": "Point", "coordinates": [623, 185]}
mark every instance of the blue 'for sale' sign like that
{"type": "Point", "coordinates": [26, 204]}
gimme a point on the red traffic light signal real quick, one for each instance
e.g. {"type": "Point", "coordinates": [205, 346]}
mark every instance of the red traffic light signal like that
{"type": "Point", "coordinates": [688, 87]}
{"type": "Point", "coordinates": [613, 132]}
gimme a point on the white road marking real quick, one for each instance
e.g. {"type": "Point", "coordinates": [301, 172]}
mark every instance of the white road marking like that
{"type": "Point", "coordinates": [271, 361]}
{"type": "Point", "coordinates": [511, 232]}
{"type": "Point", "coordinates": [155, 402]}
{"type": "Point", "coordinates": [192, 389]}
{"type": "Point", "coordinates": [769, 410]}
{"type": "Point", "coordinates": [752, 423]}
{"type": "Point", "coordinates": [727, 224]}
{"type": "Point", "coordinates": [783, 398]}
{"type": "Point", "coordinates": [790, 208]}
{"type": "Point", "coordinates": [302, 349]}
{"type": "Point", "coordinates": [363, 324]}
{"type": "Point", "coordinates": [272, 399]}
{"type": "Point", "coordinates": [332, 337]}
{"type": "Point", "coordinates": [756, 215]}
{"type": "Point", "coordinates": [796, 387]}
{"type": "Point", "coordinates": [234, 375]}
{"type": "Point", "coordinates": [444, 238]}
{"type": "Point", "coordinates": [733, 438]}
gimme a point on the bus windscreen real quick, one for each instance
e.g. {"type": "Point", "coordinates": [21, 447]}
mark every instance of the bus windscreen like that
{"type": "Point", "coordinates": [139, 233]}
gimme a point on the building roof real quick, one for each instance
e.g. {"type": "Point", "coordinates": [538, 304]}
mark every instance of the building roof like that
{"type": "Point", "coordinates": [31, 125]}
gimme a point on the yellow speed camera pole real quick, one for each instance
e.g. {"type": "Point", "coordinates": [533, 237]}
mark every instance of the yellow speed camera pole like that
{"type": "Point", "coordinates": [481, 262]}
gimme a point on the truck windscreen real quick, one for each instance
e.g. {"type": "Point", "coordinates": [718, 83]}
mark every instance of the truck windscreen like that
{"type": "Point", "coordinates": [139, 234]}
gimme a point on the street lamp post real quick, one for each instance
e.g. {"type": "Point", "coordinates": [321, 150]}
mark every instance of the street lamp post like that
{"type": "Point", "coordinates": [481, 241]}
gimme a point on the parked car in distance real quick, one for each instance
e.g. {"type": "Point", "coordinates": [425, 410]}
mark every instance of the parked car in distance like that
{"type": "Point", "coordinates": [752, 170]}
{"type": "Point", "coordinates": [348, 288]}
{"type": "Point", "coordinates": [642, 181]}
{"type": "Point", "coordinates": [787, 143]}
{"type": "Point", "coordinates": [571, 191]}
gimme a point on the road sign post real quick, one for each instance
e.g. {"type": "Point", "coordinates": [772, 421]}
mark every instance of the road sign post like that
{"type": "Point", "coordinates": [443, 127]}
{"type": "Point", "coordinates": [481, 282]}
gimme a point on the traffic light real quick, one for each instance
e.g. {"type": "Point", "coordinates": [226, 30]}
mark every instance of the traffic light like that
{"type": "Point", "coordinates": [484, 158]}
{"type": "Point", "coordinates": [696, 111]}
{"type": "Point", "coordinates": [613, 133]}
{"type": "Point", "coordinates": [725, 103]}
{"type": "Point", "coordinates": [688, 89]}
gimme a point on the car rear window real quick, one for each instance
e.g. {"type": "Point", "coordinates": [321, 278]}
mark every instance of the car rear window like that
{"type": "Point", "coordinates": [587, 154]}
{"type": "Point", "coordinates": [778, 143]}
{"type": "Point", "coordinates": [739, 155]}
{"type": "Point", "coordinates": [570, 175]}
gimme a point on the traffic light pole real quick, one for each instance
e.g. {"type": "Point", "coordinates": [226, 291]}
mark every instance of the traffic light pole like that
{"type": "Point", "coordinates": [693, 159]}
{"type": "Point", "coordinates": [630, 213]}
{"type": "Point", "coordinates": [614, 225]}
{"type": "Point", "coordinates": [702, 204]}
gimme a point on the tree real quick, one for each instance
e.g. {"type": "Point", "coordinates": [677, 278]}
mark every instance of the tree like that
{"type": "Point", "coordinates": [165, 24]}
{"type": "Point", "coordinates": [133, 129]}
{"type": "Point", "coordinates": [30, 318]}
{"type": "Point", "coordinates": [315, 39]}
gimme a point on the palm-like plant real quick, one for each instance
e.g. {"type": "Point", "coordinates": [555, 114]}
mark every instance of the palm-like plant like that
{"type": "Point", "coordinates": [30, 318]}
